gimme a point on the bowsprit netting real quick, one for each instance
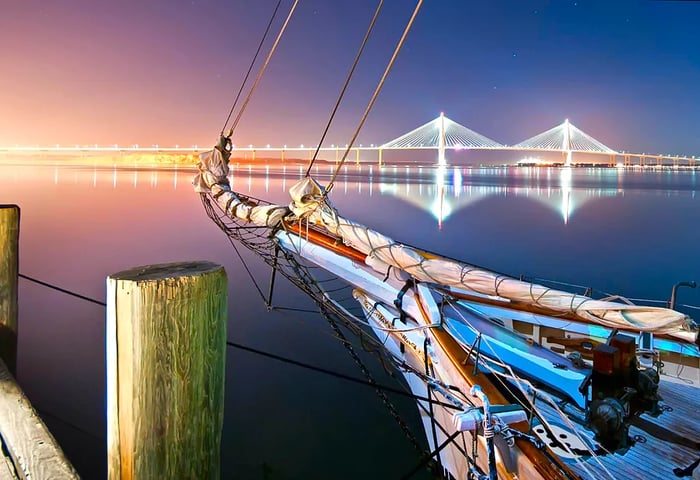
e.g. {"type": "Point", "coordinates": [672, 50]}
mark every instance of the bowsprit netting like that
{"type": "Point", "coordinates": [317, 284]}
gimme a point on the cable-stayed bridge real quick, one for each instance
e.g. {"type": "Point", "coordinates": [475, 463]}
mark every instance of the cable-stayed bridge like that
{"type": "Point", "coordinates": [441, 134]}
{"type": "Point", "coordinates": [444, 134]}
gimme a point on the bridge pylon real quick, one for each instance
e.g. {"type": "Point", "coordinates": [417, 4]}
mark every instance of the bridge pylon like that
{"type": "Point", "coordinates": [441, 142]}
{"type": "Point", "coordinates": [566, 142]}
{"type": "Point", "coordinates": [565, 138]}
{"type": "Point", "coordinates": [440, 134]}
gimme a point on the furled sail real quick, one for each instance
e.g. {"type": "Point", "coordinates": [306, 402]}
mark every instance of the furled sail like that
{"type": "Point", "coordinates": [382, 252]}
{"type": "Point", "coordinates": [311, 205]}
{"type": "Point", "coordinates": [213, 178]}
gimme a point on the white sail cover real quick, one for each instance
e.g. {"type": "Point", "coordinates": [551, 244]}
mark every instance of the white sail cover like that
{"type": "Point", "coordinates": [213, 178]}
{"type": "Point", "coordinates": [309, 204]}
{"type": "Point", "coordinates": [307, 201]}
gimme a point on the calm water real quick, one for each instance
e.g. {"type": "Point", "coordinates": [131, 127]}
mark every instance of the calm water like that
{"type": "Point", "coordinates": [628, 232]}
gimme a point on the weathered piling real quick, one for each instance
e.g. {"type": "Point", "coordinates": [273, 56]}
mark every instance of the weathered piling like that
{"type": "Point", "coordinates": [166, 346]}
{"type": "Point", "coordinates": [9, 269]}
{"type": "Point", "coordinates": [31, 450]}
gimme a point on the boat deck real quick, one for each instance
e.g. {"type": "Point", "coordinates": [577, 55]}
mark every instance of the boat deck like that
{"type": "Point", "coordinates": [666, 442]}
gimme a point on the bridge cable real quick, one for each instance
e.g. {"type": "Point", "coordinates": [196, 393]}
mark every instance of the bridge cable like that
{"type": "Point", "coordinates": [345, 85]}
{"type": "Point", "coordinates": [374, 96]}
{"type": "Point", "coordinates": [263, 67]}
{"type": "Point", "coordinates": [250, 68]}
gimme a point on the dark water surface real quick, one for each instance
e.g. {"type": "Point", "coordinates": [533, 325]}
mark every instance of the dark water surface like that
{"type": "Point", "coordinates": [630, 232]}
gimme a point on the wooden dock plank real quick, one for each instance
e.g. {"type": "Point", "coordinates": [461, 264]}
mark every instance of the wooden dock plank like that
{"type": "Point", "coordinates": [33, 450]}
{"type": "Point", "coordinates": [7, 469]}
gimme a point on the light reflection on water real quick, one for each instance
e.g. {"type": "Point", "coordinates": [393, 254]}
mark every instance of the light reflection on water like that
{"type": "Point", "coordinates": [627, 231]}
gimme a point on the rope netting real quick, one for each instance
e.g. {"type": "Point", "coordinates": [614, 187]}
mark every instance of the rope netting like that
{"type": "Point", "coordinates": [318, 285]}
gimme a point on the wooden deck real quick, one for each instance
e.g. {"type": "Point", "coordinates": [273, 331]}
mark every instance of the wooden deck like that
{"type": "Point", "coordinates": [655, 458]}
{"type": "Point", "coordinates": [29, 451]}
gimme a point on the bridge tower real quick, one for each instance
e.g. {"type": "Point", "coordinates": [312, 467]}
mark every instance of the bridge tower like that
{"type": "Point", "coordinates": [566, 142]}
{"type": "Point", "coordinates": [441, 141]}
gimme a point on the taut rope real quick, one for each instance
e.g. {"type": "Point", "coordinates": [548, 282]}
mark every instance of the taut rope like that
{"type": "Point", "coordinates": [250, 68]}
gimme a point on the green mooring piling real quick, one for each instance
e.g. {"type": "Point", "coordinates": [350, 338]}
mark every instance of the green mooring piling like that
{"type": "Point", "coordinates": [166, 348]}
{"type": "Point", "coordinates": [9, 271]}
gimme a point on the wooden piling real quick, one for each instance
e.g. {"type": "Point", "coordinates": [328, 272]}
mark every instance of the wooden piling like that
{"type": "Point", "coordinates": [166, 346]}
{"type": "Point", "coordinates": [32, 452]}
{"type": "Point", "coordinates": [9, 271]}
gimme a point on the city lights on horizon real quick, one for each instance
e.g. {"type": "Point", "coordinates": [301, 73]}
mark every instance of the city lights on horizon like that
{"type": "Point", "coordinates": [564, 137]}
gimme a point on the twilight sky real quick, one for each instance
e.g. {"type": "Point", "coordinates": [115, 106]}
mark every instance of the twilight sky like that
{"type": "Point", "coordinates": [166, 71]}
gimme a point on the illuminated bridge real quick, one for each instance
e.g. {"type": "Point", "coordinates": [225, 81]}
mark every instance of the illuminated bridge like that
{"type": "Point", "coordinates": [443, 134]}
{"type": "Point", "coordinates": [440, 134]}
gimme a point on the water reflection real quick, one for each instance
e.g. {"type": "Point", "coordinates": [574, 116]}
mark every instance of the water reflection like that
{"type": "Point", "coordinates": [439, 190]}
{"type": "Point", "coordinates": [79, 224]}
{"type": "Point", "coordinates": [450, 192]}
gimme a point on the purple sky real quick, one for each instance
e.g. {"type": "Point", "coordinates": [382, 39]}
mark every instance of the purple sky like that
{"type": "Point", "coordinates": [166, 71]}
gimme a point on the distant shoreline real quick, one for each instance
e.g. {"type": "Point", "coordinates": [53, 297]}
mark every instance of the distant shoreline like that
{"type": "Point", "coordinates": [152, 160]}
{"type": "Point", "coordinates": [190, 160]}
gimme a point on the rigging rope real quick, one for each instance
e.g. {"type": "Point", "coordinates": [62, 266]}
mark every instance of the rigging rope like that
{"type": "Point", "coordinates": [263, 68]}
{"type": "Point", "coordinates": [374, 96]}
{"type": "Point", "coordinates": [338, 375]}
{"type": "Point", "coordinates": [345, 85]}
{"type": "Point", "coordinates": [250, 68]}
{"type": "Point", "coordinates": [62, 290]}
{"type": "Point", "coordinates": [258, 352]}
{"type": "Point", "coordinates": [247, 269]}
{"type": "Point", "coordinates": [518, 384]}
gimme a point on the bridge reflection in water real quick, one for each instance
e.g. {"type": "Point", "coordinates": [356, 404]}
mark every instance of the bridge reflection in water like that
{"type": "Point", "coordinates": [451, 192]}
{"type": "Point", "coordinates": [439, 190]}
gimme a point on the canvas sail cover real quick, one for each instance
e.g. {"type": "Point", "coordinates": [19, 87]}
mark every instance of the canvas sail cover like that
{"type": "Point", "coordinates": [310, 204]}
{"type": "Point", "coordinates": [213, 178]}
{"type": "Point", "coordinates": [307, 201]}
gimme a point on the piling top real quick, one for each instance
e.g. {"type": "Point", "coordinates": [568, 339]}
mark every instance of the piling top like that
{"type": "Point", "coordinates": [167, 270]}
